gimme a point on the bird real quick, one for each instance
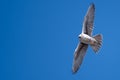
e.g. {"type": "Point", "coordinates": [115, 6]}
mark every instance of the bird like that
{"type": "Point", "coordinates": [86, 39]}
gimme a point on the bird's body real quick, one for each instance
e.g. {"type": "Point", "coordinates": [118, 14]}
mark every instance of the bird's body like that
{"type": "Point", "coordinates": [86, 39]}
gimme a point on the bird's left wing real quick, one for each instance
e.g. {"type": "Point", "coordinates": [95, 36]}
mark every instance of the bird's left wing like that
{"type": "Point", "coordinates": [78, 56]}
{"type": "Point", "coordinates": [88, 20]}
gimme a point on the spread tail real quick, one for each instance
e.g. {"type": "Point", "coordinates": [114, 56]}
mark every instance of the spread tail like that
{"type": "Point", "coordinates": [98, 44]}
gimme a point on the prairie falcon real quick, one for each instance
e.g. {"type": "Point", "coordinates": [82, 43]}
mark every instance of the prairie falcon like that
{"type": "Point", "coordinates": [86, 39]}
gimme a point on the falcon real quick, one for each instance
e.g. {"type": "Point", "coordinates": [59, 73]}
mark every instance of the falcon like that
{"type": "Point", "coordinates": [86, 39]}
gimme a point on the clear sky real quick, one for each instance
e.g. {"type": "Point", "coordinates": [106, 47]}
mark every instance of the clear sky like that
{"type": "Point", "coordinates": [38, 39]}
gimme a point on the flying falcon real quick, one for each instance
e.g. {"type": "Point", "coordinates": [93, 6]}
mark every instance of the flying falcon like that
{"type": "Point", "coordinates": [86, 39]}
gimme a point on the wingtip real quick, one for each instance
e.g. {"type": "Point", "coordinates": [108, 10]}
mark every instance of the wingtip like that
{"type": "Point", "coordinates": [92, 4]}
{"type": "Point", "coordinates": [74, 70]}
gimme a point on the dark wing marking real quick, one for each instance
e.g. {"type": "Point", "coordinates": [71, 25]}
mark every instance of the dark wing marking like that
{"type": "Point", "coordinates": [88, 21]}
{"type": "Point", "coordinates": [78, 56]}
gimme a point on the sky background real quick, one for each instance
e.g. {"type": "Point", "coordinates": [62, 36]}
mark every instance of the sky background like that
{"type": "Point", "coordinates": [38, 39]}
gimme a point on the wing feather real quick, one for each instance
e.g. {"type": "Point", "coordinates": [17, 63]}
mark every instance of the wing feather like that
{"type": "Point", "coordinates": [88, 20]}
{"type": "Point", "coordinates": [78, 56]}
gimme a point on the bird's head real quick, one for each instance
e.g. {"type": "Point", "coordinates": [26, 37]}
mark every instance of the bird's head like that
{"type": "Point", "coordinates": [80, 36]}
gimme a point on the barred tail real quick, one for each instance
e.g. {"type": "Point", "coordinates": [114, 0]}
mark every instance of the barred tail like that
{"type": "Point", "coordinates": [97, 45]}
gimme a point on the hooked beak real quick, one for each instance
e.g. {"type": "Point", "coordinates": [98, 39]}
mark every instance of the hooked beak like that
{"type": "Point", "coordinates": [79, 36]}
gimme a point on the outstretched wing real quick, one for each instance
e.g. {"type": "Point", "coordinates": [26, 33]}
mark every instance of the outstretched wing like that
{"type": "Point", "coordinates": [78, 56]}
{"type": "Point", "coordinates": [88, 20]}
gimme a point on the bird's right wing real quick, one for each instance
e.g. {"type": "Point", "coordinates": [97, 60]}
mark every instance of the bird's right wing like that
{"type": "Point", "coordinates": [88, 20]}
{"type": "Point", "coordinates": [78, 56]}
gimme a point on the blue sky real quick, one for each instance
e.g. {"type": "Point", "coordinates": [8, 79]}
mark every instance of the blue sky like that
{"type": "Point", "coordinates": [38, 39]}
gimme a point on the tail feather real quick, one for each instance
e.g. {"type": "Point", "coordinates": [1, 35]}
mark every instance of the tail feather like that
{"type": "Point", "coordinates": [98, 44]}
